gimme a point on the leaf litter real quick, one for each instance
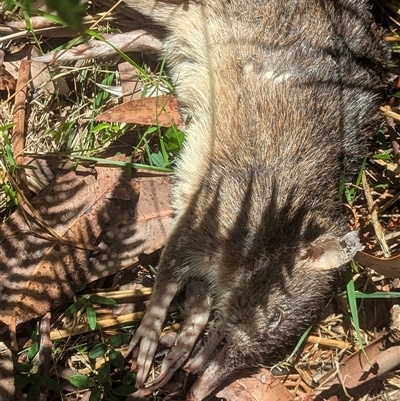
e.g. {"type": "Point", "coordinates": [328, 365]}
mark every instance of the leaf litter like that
{"type": "Point", "coordinates": [90, 223]}
{"type": "Point", "coordinates": [121, 216]}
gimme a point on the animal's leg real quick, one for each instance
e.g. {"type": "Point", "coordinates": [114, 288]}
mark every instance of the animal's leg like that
{"type": "Point", "coordinates": [197, 310]}
{"type": "Point", "coordinates": [149, 331]}
{"type": "Point", "coordinates": [215, 336]}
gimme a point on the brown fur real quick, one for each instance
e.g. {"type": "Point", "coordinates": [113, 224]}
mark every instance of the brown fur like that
{"type": "Point", "coordinates": [283, 95]}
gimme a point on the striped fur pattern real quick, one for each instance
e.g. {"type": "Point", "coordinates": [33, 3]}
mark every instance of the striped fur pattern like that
{"type": "Point", "coordinates": [283, 96]}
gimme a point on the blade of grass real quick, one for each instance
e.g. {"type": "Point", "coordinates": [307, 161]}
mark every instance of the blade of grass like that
{"type": "Point", "coordinates": [352, 301]}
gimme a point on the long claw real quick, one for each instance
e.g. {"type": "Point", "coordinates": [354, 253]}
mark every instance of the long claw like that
{"type": "Point", "coordinates": [197, 310]}
{"type": "Point", "coordinates": [149, 331]}
{"type": "Point", "coordinates": [216, 335]}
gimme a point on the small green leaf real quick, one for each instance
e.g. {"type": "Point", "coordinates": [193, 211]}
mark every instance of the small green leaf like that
{"type": "Point", "coordinates": [374, 295]}
{"type": "Point", "coordinates": [76, 306]}
{"type": "Point", "coordinates": [173, 139]}
{"type": "Point", "coordinates": [381, 139]}
{"type": "Point", "coordinates": [117, 359]}
{"type": "Point", "coordinates": [6, 127]}
{"type": "Point", "coordinates": [50, 383]}
{"type": "Point", "coordinates": [351, 192]}
{"type": "Point", "coordinates": [23, 367]}
{"type": "Point", "coordinates": [383, 156]}
{"type": "Point", "coordinates": [98, 351]}
{"type": "Point", "coordinates": [300, 343]}
{"type": "Point", "coordinates": [33, 393]}
{"type": "Point", "coordinates": [118, 340]}
{"type": "Point", "coordinates": [103, 374]}
{"type": "Point", "coordinates": [129, 378]}
{"type": "Point", "coordinates": [81, 381]}
{"type": "Point", "coordinates": [125, 389]}
{"type": "Point", "coordinates": [101, 300]}
{"type": "Point", "coordinates": [91, 316]}
{"type": "Point", "coordinates": [100, 127]}
{"type": "Point", "coordinates": [33, 350]}
{"type": "Point", "coordinates": [152, 129]}
{"type": "Point", "coordinates": [95, 394]}
{"type": "Point", "coordinates": [22, 380]}
{"type": "Point", "coordinates": [107, 387]}
{"type": "Point", "coordinates": [381, 186]}
{"type": "Point", "coordinates": [10, 156]}
{"type": "Point", "coordinates": [350, 290]}
{"type": "Point", "coordinates": [157, 159]}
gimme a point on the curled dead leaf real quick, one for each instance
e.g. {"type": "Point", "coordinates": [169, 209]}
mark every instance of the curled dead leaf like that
{"type": "Point", "coordinates": [374, 360]}
{"type": "Point", "coordinates": [389, 267]}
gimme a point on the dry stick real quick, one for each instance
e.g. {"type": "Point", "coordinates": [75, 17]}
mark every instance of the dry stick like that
{"type": "Point", "coordinates": [58, 334]}
{"type": "Point", "coordinates": [389, 203]}
{"type": "Point", "coordinates": [18, 134]}
{"type": "Point", "coordinates": [374, 218]}
{"type": "Point", "coordinates": [391, 129]}
{"type": "Point", "coordinates": [29, 81]}
{"type": "Point", "coordinates": [327, 342]}
{"type": "Point", "coordinates": [125, 296]}
{"type": "Point", "coordinates": [394, 21]}
{"type": "Point", "coordinates": [390, 113]}
{"type": "Point", "coordinates": [392, 39]}
{"type": "Point", "coordinates": [44, 353]}
{"type": "Point", "coordinates": [106, 14]}
{"type": "Point", "coordinates": [102, 324]}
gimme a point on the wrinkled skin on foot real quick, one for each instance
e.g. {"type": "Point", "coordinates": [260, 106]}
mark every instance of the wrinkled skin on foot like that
{"type": "Point", "coordinates": [282, 96]}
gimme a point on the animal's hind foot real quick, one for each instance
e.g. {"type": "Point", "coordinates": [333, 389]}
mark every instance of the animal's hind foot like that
{"type": "Point", "coordinates": [197, 310]}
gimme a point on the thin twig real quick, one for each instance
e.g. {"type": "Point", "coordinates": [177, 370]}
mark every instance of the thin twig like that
{"type": "Point", "coordinates": [374, 218]}
{"type": "Point", "coordinates": [44, 353]}
{"type": "Point", "coordinates": [8, 33]}
{"type": "Point", "coordinates": [390, 113]}
{"type": "Point", "coordinates": [18, 134]}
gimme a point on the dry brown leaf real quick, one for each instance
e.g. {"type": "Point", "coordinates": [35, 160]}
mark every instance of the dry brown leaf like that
{"type": "Point", "coordinates": [42, 79]}
{"type": "Point", "coordinates": [388, 267]}
{"type": "Point", "coordinates": [40, 72]}
{"type": "Point", "coordinates": [122, 216]}
{"type": "Point", "coordinates": [145, 232]}
{"type": "Point", "coordinates": [18, 130]}
{"type": "Point", "coordinates": [7, 81]}
{"type": "Point", "coordinates": [161, 110]}
{"type": "Point", "coordinates": [43, 170]}
{"type": "Point", "coordinates": [362, 366]}
{"type": "Point", "coordinates": [390, 167]}
{"type": "Point", "coordinates": [261, 386]}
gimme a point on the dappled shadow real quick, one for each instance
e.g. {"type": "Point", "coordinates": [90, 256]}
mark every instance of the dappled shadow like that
{"type": "Point", "coordinates": [86, 209]}
{"type": "Point", "coordinates": [292, 96]}
{"type": "Point", "coordinates": [245, 218]}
